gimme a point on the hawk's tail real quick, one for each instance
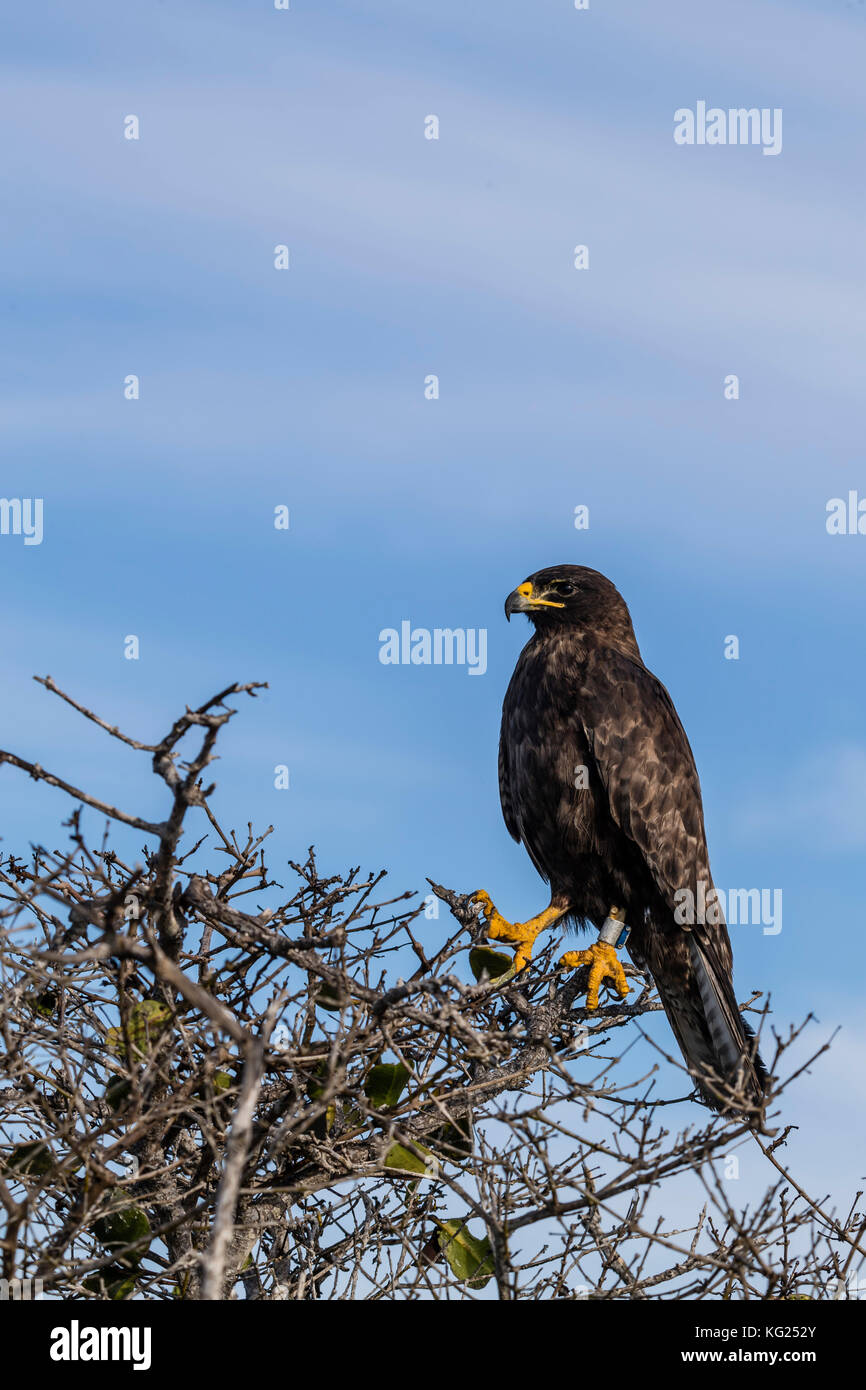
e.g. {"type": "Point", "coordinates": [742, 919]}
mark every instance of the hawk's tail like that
{"type": "Point", "coordinates": [719, 1047]}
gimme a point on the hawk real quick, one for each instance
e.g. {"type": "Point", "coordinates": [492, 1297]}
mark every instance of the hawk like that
{"type": "Point", "coordinates": [597, 779]}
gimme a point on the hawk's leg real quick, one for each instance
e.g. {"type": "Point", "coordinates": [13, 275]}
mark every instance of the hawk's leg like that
{"type": "Point", "coordinates": [602, 959]}
{"type": "Point", "coordinates": [519, 934]}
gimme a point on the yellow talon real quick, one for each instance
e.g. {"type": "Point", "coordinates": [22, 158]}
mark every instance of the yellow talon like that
{"type": "Point", "coordinates": [519, 934]}
{"type": "Point", "coordinates": [604, 964]}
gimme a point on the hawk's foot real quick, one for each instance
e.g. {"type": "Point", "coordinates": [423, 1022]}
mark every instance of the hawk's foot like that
{"type": "Point", "coordinates": [519, 934]}
{"type": "Point", "coordinates": [604, 964]}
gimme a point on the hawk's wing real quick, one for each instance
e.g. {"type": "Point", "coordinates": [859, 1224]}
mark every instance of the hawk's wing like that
{"type": "Point", "coordinates": [506, 800]}
{"type": "Point", "coordinates": [518, 759]}
{"type": "Point", "coordinates": [647, 768]}
{"type": "Point", "coordinates": [646, 765]}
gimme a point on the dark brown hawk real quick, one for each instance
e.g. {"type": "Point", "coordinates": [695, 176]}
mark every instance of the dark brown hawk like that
{"type": "Point", "coordinates": [597, 779]}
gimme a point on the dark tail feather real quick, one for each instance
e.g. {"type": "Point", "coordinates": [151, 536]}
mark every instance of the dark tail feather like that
{"type": "Point", "coordinates": [717, 1044]}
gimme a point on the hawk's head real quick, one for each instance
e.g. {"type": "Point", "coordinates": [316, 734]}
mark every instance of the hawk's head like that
{"type": "Point", "coordinates": [572, 596]}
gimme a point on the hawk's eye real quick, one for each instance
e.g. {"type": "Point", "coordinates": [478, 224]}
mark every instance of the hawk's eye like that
{"type": "Point", "coordinates": [565, 588]}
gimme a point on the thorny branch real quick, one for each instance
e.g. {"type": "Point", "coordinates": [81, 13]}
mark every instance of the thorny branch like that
{"type": "Point", "coordinates": [213, 1088]}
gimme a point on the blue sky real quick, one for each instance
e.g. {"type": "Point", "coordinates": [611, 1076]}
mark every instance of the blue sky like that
{"type": "Point", "coordinates": [557, 388]}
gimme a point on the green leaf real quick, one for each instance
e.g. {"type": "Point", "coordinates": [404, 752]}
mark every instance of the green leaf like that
{"type": "Point", "coordinates": [401, 1160]}
{"type": "Point", "coordinates": [212, 1088]}
{"type": "Point", "coordinates": [324, 1123]}
{"type": "Point", "coordinates": [384, 1084]}
{"type": "Point", "coordinates": [122, 1228]}
{"type": "Point", "coordinates": [470, 1259]}
{"type": "Point", "coordinates": [495, 963]}
{"type": "Point", "coordinates": [44, 1003]}
{"type": "Point", "coordinates": [117, 1093]}
{"type": "Point", "coordinates": [316, 1086]}
{"type": "Point", "coordinates": [456, 1141]}
{"type": "Point", "coordinates": [112, 1282]}
{"type": "Point", "coordinates": [34, 1158]}
{"type": "Point", "coordinates": [329, 998]}
{"type": "Point", "coordinates": [146, 1021]}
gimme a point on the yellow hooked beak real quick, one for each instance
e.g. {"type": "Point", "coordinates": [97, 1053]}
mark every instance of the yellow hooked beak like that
{"type": "Point", "coordinates": [525, 600]}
